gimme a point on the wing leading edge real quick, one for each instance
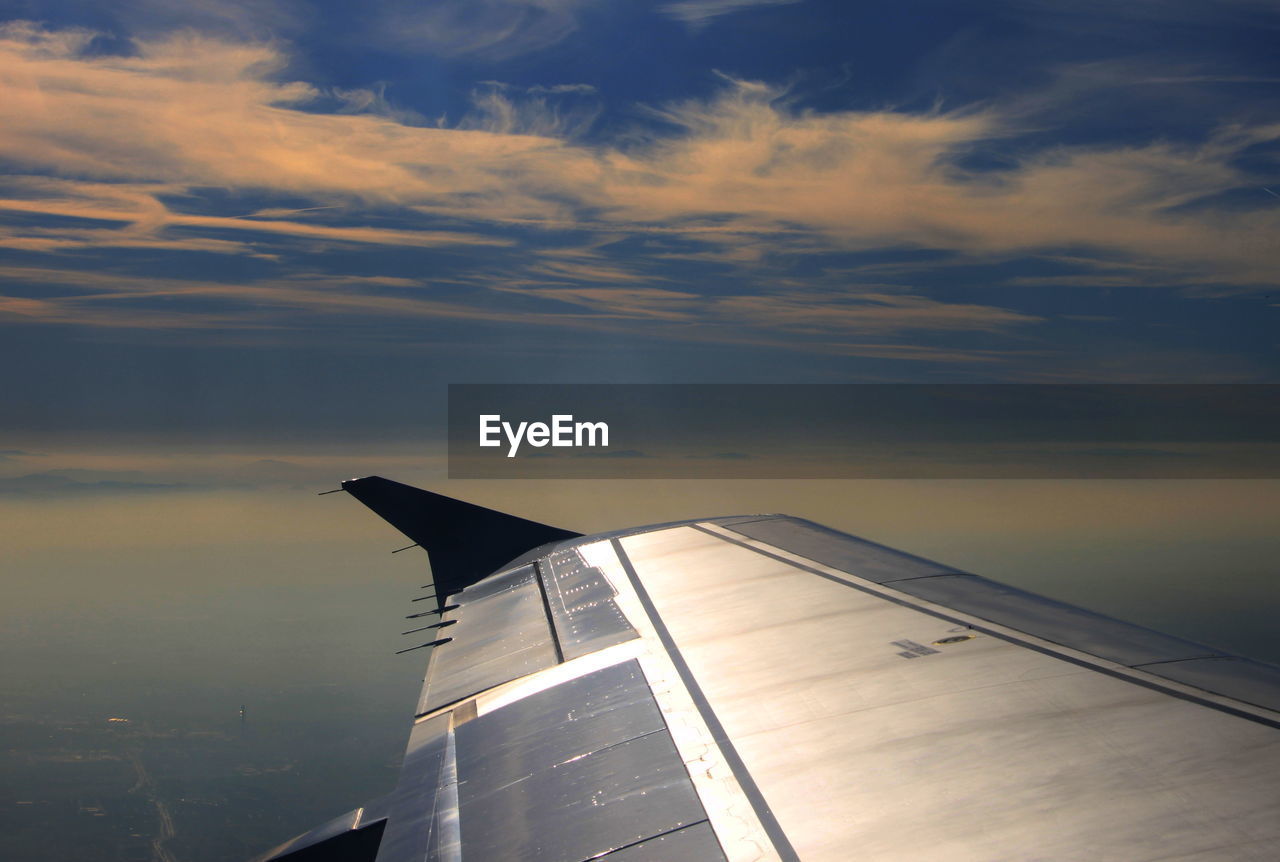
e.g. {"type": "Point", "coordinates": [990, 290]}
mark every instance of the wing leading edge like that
{"type": "Point", "coordinates": [761, 687]}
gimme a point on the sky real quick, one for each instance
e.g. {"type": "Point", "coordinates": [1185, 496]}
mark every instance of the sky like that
{"type": "Point", "coordinates": [250, 217]}
{"type": "Point", "coordinates": [247, 245]}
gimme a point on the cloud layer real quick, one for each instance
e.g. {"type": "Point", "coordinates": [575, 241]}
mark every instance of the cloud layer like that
{"type": "Point", "coordinates": [118, 151]}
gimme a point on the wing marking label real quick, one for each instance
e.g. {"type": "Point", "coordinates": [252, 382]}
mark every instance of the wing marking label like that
{"type": "Point", "coordinates": [911, 649]}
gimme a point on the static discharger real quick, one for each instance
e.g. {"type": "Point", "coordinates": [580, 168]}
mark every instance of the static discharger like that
{"type": "Point", "coordinates": [432, 626]}
{"type": "Point", "coordinates": [397, 550]}
{"type": "Point", "coordinates": [420, 646]}
{"type": "Point", "coordinates": [423, 598]}
{"type": "Point", "coordinates": [433, 613]}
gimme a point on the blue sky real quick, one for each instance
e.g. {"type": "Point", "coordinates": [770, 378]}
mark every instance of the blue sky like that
{"type": "Point", "coordinates": [275, 218]}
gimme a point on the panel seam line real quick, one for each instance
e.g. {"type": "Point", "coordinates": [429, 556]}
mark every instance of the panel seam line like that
{"type": "Point", "coordinates": [749, 787]}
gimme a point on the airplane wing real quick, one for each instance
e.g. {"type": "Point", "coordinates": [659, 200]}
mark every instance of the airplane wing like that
{"type": "Point", "coordinates": [764, 688]}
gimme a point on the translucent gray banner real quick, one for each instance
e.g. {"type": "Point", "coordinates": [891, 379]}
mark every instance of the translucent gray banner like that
{"type": "Point", "coordinates": [883, 431]}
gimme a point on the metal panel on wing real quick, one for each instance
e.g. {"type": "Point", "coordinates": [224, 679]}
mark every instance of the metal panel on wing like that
{"type": "Point", "coordinates": [573, 772]}
{"type": "Point", "coordinates": [691, 844]}
{"type": "Point", "coordinates": [838, 550]}
{"type": "Point", "coordinates": [979, 748]}
{"type": "Point", "coordinates": [580, 599]}
{"type": "Point", "coordinates": [416, 813]}
{"type": "Point", "coordinates": [501, 633]}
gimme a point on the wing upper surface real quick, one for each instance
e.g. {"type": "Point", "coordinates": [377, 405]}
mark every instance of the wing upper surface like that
{"type": "Point", "coordinates": [761, 687]}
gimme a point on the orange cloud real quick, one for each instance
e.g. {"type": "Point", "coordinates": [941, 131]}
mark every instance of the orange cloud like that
{"type": "Point", "coordinates": [745, 179]}
{"type": "Point", "coordinates": [190, 111]}
{"type": "Point", "coordinates": [201, 111]}
{"type": "Point", "coordinates": [144, 222]}
{"type": "Point", "coordinates": [881, 178]}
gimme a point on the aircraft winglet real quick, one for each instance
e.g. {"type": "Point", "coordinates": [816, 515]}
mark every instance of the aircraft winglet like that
{"type": "Point", "coordinates": [464, 541]}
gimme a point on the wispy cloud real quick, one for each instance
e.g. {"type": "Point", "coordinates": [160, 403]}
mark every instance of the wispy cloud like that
{"type": "Point", "coordinates": [560, 111]}
{"type": "Point", "coordinates": [144, 221]}
{"type": "Point", "coordinates": [866, 313]}
{"type": "Point", "coordinates": [492, 29]}
{"type": "Point", "coordinates": [885, 179]}
{"type": "Point", "coordinates": [593, 272]}
{"type": "Point", "coordinates": [202, 112]}
{"type": "Point", "coordinates": [189, 111]}
{"type": "Point", "coordinates": [848, 312]}
{"type": "Point", "coordinates": [580, 230]}
{"type": "Point", "coordinates": [120, 301]}
{"type": "Point", "coordinates": [626, 302]}
{"type": "Point", "coordinates": [698, 13]}
{"type": "Point", "coordinates": [854, 325]}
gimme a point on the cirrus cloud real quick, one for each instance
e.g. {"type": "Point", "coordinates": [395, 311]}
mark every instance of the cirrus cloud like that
{"type": "Point", "coordinates": [121, 151]}
{"type": "Point", "coordinates": [189, 111]}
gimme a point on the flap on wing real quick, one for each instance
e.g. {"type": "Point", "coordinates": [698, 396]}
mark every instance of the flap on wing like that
{"type": "Point", "coordinates": [464, 541]}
